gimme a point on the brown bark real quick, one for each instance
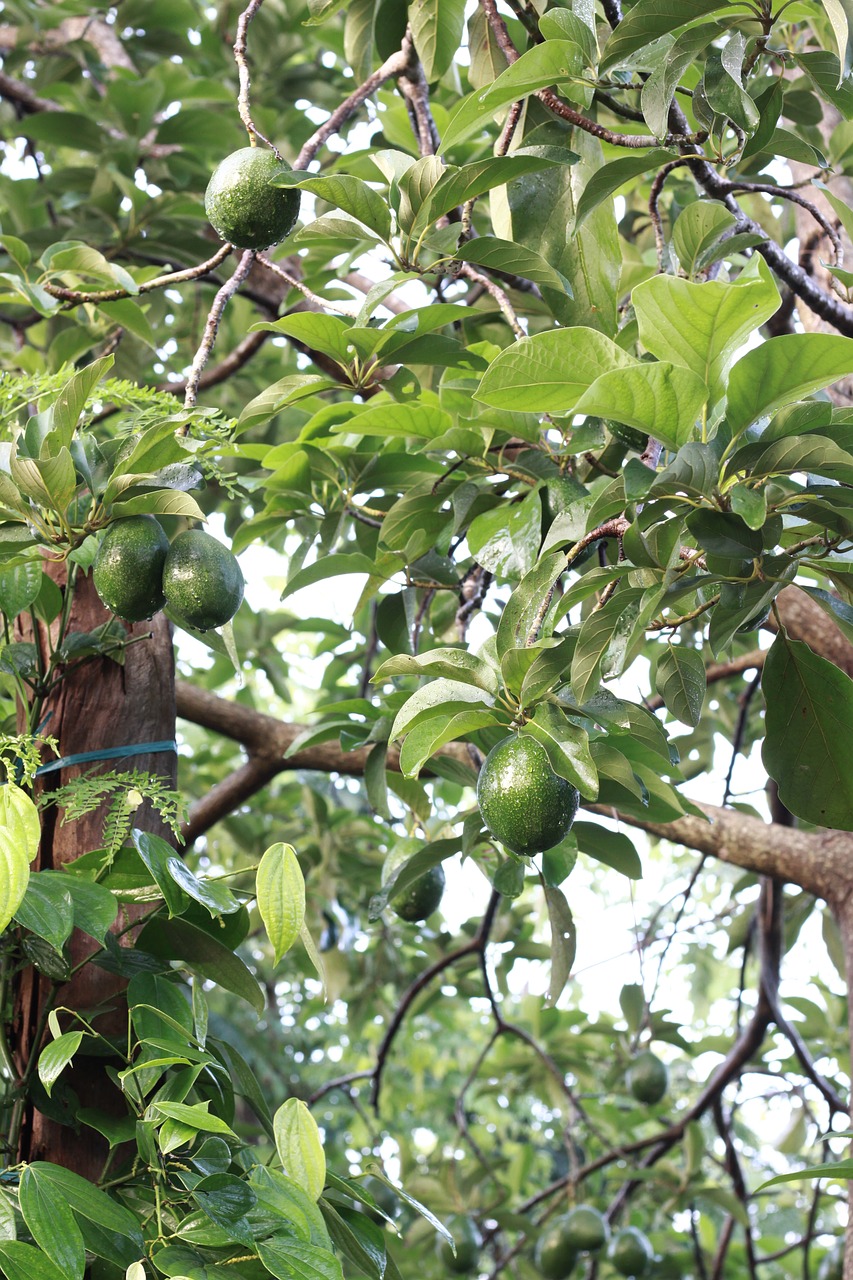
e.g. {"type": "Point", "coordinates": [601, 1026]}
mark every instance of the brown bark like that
{"type": "Point", "coordinates": [100, 704]}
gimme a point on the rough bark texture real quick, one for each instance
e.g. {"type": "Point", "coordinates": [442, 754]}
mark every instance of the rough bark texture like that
{"type": "Point", "coordinates": [100, 704]}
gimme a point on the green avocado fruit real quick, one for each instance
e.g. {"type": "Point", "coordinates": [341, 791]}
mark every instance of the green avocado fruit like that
{"type": "Point", "coordinates": [629, 436]}
{"type": "Point", "coordinates": [423, 895]}
{"type": "Point", "coordinates": [128, 569]}
{"type": "Point", "coordinates": [585, 1229]}
{"type": "Point", "coordinates": [466, 1237]}
{"type": "Point", "coordinates": [630, 1252]}
{"type": "Point", "coordinates": [523, 802]}
{"type": "Point", "coordinates": [648, 1078]}
{"type": "Point", "coordinates": [555, 1254]}
{"type": "Point", "coordinates": [202, 581]}
{"type": "Point", "coordinates": [241, 204]}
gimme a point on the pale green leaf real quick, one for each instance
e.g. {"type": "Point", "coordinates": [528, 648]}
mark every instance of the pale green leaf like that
{"type": "Point", "coordinates": [280, 890]}
{"type": "Point", "coordinates": [299, 1146]}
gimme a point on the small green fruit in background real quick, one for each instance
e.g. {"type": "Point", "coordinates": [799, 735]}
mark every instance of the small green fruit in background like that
{"type": "Point", "coordinates": [466, 1237]}
{"type": "Point", "coordinates": [128, 569]}
{"type": "Point", "coordinates": [202, 581]}
{"type": "Point", "coordinates": [648, 1078]}
{"type": "Point", "coordinates": [423, 895]}
{"type": "Point", "coordinates": [586, 1229]}
{"type": "Point", "coordinates": [241, 204]}
{"type": "Point", "coordinates": [524, 804]}
{"type": "Point", "coordinates": [556, 1255]}
{"type": "Point", "coordinates": [631, 1253]}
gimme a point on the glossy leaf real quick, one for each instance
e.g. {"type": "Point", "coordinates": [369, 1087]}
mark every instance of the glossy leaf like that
{"type": "Point", "coordinates": [280, 890]}
{"type": "Point", "coordinates": [299, 1146]}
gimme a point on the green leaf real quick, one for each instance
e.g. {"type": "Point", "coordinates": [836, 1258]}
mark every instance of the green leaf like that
{"type": "Point", "coordinates": [293, 1260]}
{"type": "Point", "coordinates": [456, 186]}
{"type": "Point", "coordinates": [14, 875]}
{"type": "Point", "coordinates": [328, 334]}
{"type": "Point", "coordinates": [335, 565]}
{"type": "Point", "coordinates": [289, 390]}
{"type": "Point", "coordinates": [659, 398]}
{"type": "Point", "coordinates": [426, 738]}
{"type": "Point", "coordinates": [597, 634]}
{"type": "Point", "coordinates": [506, 542]}
{"type": "Point", "coordinates": [610, 177]}
{"type": "Point", "coordinates": [50, 1221]}
{"type": "Point", "coordinates": [782, 370]}
{"type": "Point", "coordinates": [542, 66]}
{"type": "Point", "coordinates": [23, 1262]}
{"type": "Point", "coordinates": [69, 403]}
{"type": "Point", "coordinates": [659, 88]}
{"type": "Point", "coordinates": [701, 326]}
{"type": "Point", "coordinates": [650, 20]}
{"type": "Point", "coordinates": [202, 954]}
{"type": "Point", "coordinates": [211, 892]}
{"type": "Point", "coordinates": [567, 745]}
{"type": "Point", "coordinates": [680, 681]}
{"type": "Point", "coordinates": [19, 816]}
{"type": "Point", "coordinates": [352, 195]}
{"type": "Point", "coordinates": [99, 1210]}
{"type": "Point", "coordinates": [46, 908]}
{"type": "Point", "coordinates": [299, 1146]}
{"type": "Point", "coordinates": [280, 890]}
{"type": "Point", "coordinates": [611, 847]}
{"type": "Point", "coordinates": [157, 854]}
{"type": "Point", "coordinates": [426, 421]}
{"type": "Point", "coordinates": [838, 1170]}
{"type": "Point", "coordinates": [195, 1117]}
{"type": "Point", "coordinates": [506, 255]}
{"type": "Point", "coordinates": [440, 697]}
{"type": "Point", "coordinates": [437, 29]}
{"type": "Point", "coordinates": [697, 230]}
{"type": "Point", "coordinates": [160, 502]}
{"type": "Point", "coordinates": [549, 372]}
{"type": "Point", "coordinates": [53, 1060]}
{"type": "Point", "coordinates": [227, 1200]}
{"type": "Point", "coordinates": [19, 587]}
{"type": "Point", "coordinates": [563, 941]}
{"type": "Point", "coordinates": [527, 606]}
{"type": "Point", "coordinates": [840, 15]}
{"type": "Point", "coordinates": [454, 664]}
{"type": "Point", "coordinates": [361, 1241]}
{"type": "Point", "coordinates": [809, 709]}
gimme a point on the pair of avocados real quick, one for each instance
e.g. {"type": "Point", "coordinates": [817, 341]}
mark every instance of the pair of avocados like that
{"type": "Point", "coordinates": [138, 571]}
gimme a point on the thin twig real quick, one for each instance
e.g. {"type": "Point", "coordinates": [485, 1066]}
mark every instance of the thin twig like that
{"type": "Point", "coordinates": [214, 316]}
{"type": "Point", "coordinates": [391, 67]}
{"type": "Point", "coordinates": [322, 303]}
{"type": "Point", "coordinates": [243, 105]}
{"type": "Point", "coordinates": [75, 297]}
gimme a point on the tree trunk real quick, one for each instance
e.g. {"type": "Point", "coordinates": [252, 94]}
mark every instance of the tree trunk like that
{"type": "Point", "coordinates": [100, 704]}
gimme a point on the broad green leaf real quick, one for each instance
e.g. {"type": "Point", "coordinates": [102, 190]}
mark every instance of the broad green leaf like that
{"type": "Point", "coordinates": [24, 1262]}
{"type": "Point", "coordinates": [840, 15]}
{"type": "Point", "coordinates": [611, 847]}
{"type": "Point", "coordinates": [567, 745]}
{"type": "Point", "coordinates": [202, 954]}
{"type": "Point", "coordinates": [659, 88]}
{"type": "Point", "coordinates": [55, 1057]}
{"type": "Point", "coordinates": [782, 370]}
{"type": "Point", "coordinates": [528, 605]}
{"type": "Point", "coordinates": [97, 1208]}
{"type": "Point", "coordinates": [680, 681]}
{"type": "Point", "coordinates": [294, 1260]}
{"type": "Point", "coordinates": [210, 891]}
{"type": "Point", "coordinates": [437, 29]}
{"type": "Point", "coordinates": [337, 564]}
{"type": "Point", "coordinates": [563, 941]}
{"type": "Point", "coordinates": [837, 1170]}
{"type": "Point", "coordinates": [809, 708]}
{"type": "Point", "coordinates": [160, 502]}
{"type": "Point", "coordinates": [328, 334]}
{"type": "Point", "coordinates": [812, 453]}
{"type": "Point", "coordinates": [14, 875]}
{"type": "Point", "coordinates": [426, 738]}
{"type": "Point", "coordinates": [280, 890]}
{"type": "Point", "coordinates": [69, 403]}
{"type": "Point", "coordinates": [227, 1200]}
{"type": "Point", "coordinates": [455, 664]}
{"type": "Point", "coordinates": [19, 816]}
{"type": "Point", "coordinates": [46, 908]}
{"type": "Point", "coordinates": [701, 326]}
{"type": "Point", "coordinates": [359, 1240]}
{"type": "Point", "coordinates": [438, 697]}
{"type": "Point", "coordinates": [352, 195]}
{"type": "Point", "coordinates": [387, 420]}
{"type": "Point", "coordinates": [614, 620]}
{"type": "Point", "coordinates": [506, 542]}
{"type": "Point", "coordinates": [196, 1117]}
{"type": "Point", "coordinates": [299, 1146]}
{"type": "Point", "coordinates": [542, 66]}
{"type": "Point", "coordinates": [659, 398]}
{"type": "Point", "coordinates": [19, 587]}
{"type": "Point", "coordinates": [650, 20]}
{"type": "Point", "coordinates": [456, 186]}
{"type": "Point", "coordinates": [506, 255]}
{"type": "Point", "coordinates": [51, 1222]}
{"type": "Point", "coordinates": [542, 214]}
{"type": "Point", "coordinates": [697, 230]}
{"type": "Point", "coordinates": [549, 372]}
{"type": "Point", "coordinates": [610, 177]}
{"type": "Point", "coordinates": [296, 386]}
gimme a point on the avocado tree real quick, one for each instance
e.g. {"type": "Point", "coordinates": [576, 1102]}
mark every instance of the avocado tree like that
{"type": "Point", "coordinates": [520, 335]}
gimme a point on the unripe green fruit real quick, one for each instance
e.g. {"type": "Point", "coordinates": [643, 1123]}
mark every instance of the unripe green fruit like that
{"type": "Point", "coordinates": [629, 436]}
{"type": "Point", "coordinates": [586, 1229]}
{"type": "Point", "coordinates": [524, 804]}
{"type": "Point", "coordinates": [241, 204]}
{"type": "Point", "coordinates": [423, 895]}
{"type": "Point", "coordinates": [555, 1254]}
{"type": "Point", "coordinates": [128, 569]}
{"type": "Point", "coordinates": [466, 1237]}
{"type": "Point", "coordinates": [630, 1252]}
{"type": "Point", "coordinates": [648, 1078]}
{"type": "Point", "coordinates": [202, 581]}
